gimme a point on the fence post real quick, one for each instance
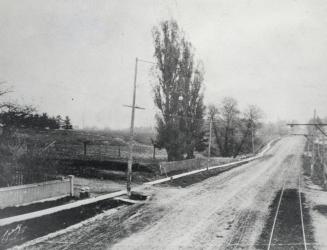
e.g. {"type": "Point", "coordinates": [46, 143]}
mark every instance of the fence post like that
{"type": "Point", "coordinates": [84, 143]}
{"type": "Point", "coordinates": [71, 180]}
{"type": "Point", "coordinates": [154, 152]}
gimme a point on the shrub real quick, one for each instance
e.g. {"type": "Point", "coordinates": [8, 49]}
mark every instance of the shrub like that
{"type": "Point", "coordinates": [21, 163]}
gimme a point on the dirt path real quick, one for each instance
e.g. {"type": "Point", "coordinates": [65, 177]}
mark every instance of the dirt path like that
{"type": "Point", "coordinates": [227, 211]}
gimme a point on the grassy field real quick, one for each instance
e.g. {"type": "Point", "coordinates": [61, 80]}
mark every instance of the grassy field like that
{"type": "Point", "coordinates": [99, 144]}
{"type": "Point", "coordinates": [29, 156]}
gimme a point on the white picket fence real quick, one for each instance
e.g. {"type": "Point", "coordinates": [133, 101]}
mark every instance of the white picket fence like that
{"type": "Point", "coordinates": [24, 194]}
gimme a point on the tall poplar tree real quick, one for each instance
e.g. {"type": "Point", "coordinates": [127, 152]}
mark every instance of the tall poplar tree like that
{"type": "Point", "coordinates": [177, 93]}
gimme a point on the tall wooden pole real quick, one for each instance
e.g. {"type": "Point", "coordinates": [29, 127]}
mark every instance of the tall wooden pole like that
{"type": "Point", "coordinates": [324, 161]}
{"type": "Point", "coordinates": [313, 144]}
{"type": "Point", "coordinates": [252, 138]}
{"type": "Point", "coordinates": [131, 138]}
{"type": "Point", "coordinates": [209, 144]}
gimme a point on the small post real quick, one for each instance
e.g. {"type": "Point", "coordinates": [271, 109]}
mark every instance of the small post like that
{"type": "Point", "coordinates": [71, 180]}
{"type": "Point", "coordinates": [119, 151]}
{"type": "Point", "coordinates": [154, 152]}
{"type": "Point", "coordinates": [84, 143]}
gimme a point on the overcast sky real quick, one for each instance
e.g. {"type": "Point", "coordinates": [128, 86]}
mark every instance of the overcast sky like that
{"type": "Point", "coordinates": [76, 57]}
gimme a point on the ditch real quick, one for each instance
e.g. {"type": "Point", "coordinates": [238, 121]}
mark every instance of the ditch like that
{"type": "Point", "coordinates": [20, 232]}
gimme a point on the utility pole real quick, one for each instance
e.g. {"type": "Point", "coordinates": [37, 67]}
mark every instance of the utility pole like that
{"type": "Point", "coordinates": [209, 144]}
{"type": "Point", "coordinates": [313, 156]}
{"type": "Point", "coordinates": [131, 132]}
{"type": "Point", "coordinates": [324, 161]}
{"type": "Point", "coordinates": [307, 145]}
{"type": "Point", "coordinates": [131, 136]}
{"type": "Point", "coordinates": [252, 138]}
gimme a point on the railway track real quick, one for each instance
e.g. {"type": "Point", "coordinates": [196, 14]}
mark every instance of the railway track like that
{"type": "Point", "coordinates": [279, 238]}
{"type": "Point", "coordinates": [285, 227]}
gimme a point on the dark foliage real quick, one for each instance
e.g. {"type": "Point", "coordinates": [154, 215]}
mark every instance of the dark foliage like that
{"type": "Point", "coordinates": [177, 93]}
{"type": "Point", "coordinates": [235, 131]}
{"type": "Point", "coordinates": [16, 116]}
{"type": "Point", "coordinates": [22, 163]}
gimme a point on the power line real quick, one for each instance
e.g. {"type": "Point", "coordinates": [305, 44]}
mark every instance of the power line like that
{"type": "Point", "coordinates": [306, 124]}
{"type": "Point", "coordinates": [322, 131]}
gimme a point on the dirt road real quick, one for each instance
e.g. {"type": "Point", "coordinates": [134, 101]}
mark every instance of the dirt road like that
{"type": "Point", "coordinates": [228, 211]}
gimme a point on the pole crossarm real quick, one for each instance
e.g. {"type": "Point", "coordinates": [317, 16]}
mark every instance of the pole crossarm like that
{"type": "Point", "coordinates": [136, 107]}
{"type": "Point", "coordinates": [307, 124]}
{"type": "Point", "coordinates": [317, 125]}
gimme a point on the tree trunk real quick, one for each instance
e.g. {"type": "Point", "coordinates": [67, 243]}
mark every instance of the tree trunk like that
{"type": "Point", "coordinates": [241, 144]}
{"type": "Point", "coordinates": [218, 141]}
{"type": "Point", "coordinates": [173, 154]}
{"type": "Point", "coordinates": [190, 154]}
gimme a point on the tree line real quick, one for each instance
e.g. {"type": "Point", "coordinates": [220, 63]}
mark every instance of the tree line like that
{"type": "Point", "coordinates": [18, 116]}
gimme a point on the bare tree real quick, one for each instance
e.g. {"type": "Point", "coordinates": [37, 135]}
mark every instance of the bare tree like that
{"type": "Point", "coordinates": [234, 131]}
{"type": "Point", "coordinates": [4, 90]}
{"type": "Point", "coordinates": [225, 127]}
{"type": "Point", "coordinates": [249, 124]}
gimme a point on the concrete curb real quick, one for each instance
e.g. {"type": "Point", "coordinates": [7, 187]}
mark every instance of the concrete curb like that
{"type": "Point", "coordinates": [52, 210]}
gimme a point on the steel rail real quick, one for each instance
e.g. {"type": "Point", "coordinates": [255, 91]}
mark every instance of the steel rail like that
{"type": "Point", "coordinates": [275, 218]}
{"type": "Point", "coordinates": [302, 222]}
{"type": "Point", "coordinates": [276, 215]}
{"type": "Point", "coordinates": [277, 210]}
